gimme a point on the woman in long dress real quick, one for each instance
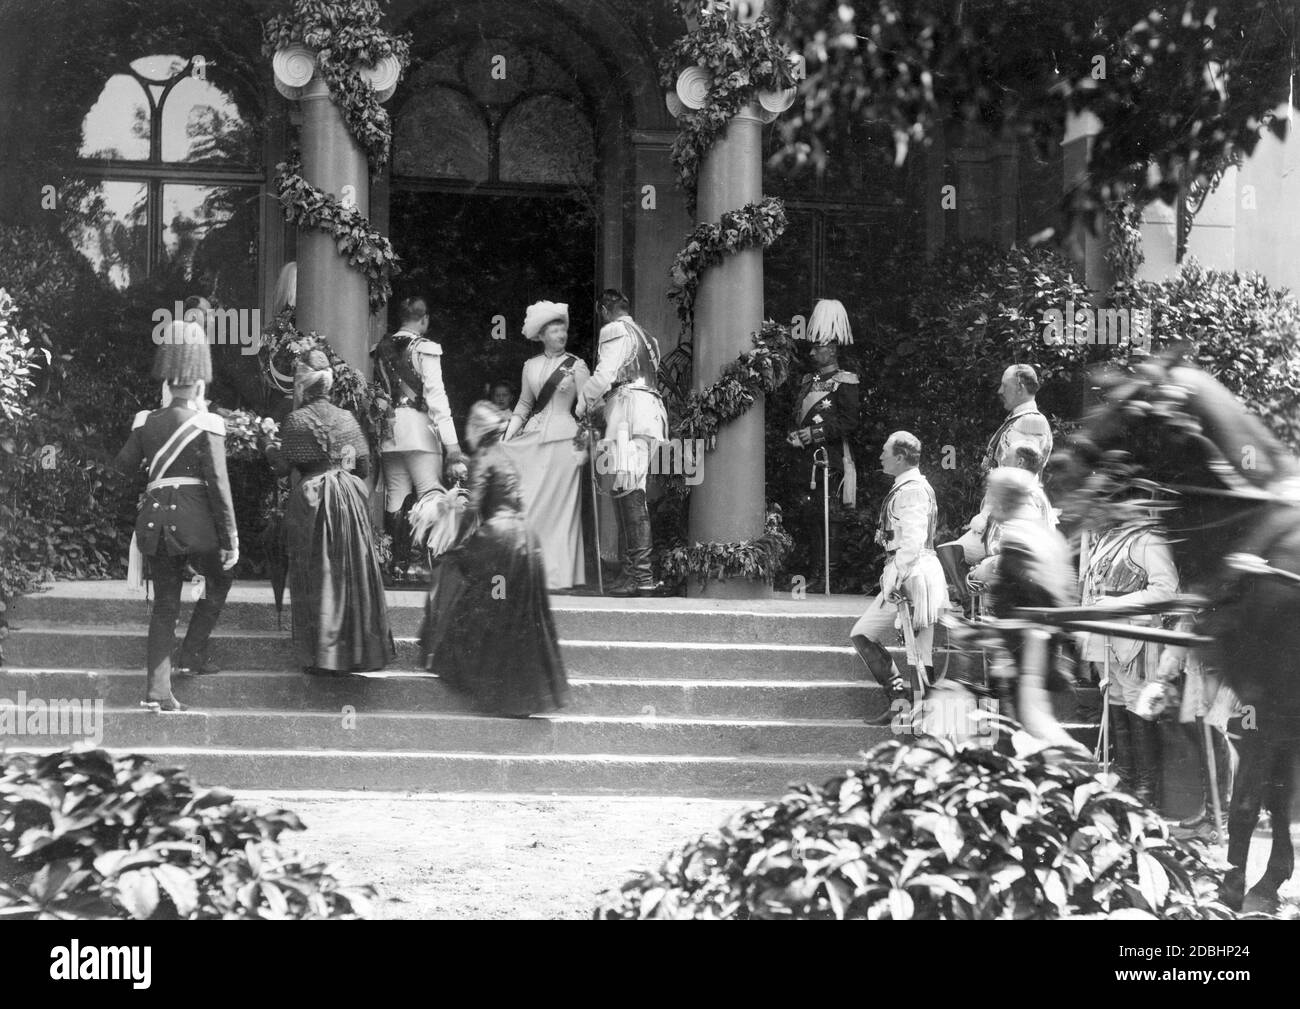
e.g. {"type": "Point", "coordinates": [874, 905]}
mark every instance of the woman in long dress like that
{"type": "Point", "coordinates": [336, 590]}
{"type": "Point", "coordinates": [541, 441]}
{"type": "Point", "coordinates": [488, 629]}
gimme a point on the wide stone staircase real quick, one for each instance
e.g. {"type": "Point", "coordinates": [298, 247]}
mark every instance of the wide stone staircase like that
{"type": "Point", "coordinates": [682, 697]}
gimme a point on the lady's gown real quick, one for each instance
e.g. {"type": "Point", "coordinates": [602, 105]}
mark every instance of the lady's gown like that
{"type": "Point", "coordinates": [550, 468]}
{"type": "Point", "coordinates": [488, 629]}
{"type": "Point", "coordinates": [336, 590]}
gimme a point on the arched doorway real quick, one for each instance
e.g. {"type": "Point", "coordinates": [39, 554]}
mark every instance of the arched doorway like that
{"type": "Point", "coordinates": [495, 202]}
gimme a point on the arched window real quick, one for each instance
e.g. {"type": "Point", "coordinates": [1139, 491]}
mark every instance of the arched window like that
{"type": "Point", "coordinates": [176, 166]}
{"type": "Point", "coordinates": [492, 114]}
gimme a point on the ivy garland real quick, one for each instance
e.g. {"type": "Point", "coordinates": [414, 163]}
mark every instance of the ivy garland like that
{"type": "Point", "coordinates": [754, 224]}
{"type": "Point", "coordinates": [743, 59]}
{"type": "Point", "coordinates": [365, 248]}
{"type": "Point", "coordinates": [345, 34]}
{"type": "Point", "coordinates": [283, 343]}
{"type": "Point", "coordinates": [756, 558]}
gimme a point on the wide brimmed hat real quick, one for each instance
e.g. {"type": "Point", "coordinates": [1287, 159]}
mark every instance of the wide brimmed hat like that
{"type": "Point", "coordinates": [183, 357]}
{"type": "Point", "coordinates": [485, 422]}
{"type": "Point", "coordinates": [540, 314]}
{"type": "Point", "coordinates": [829, 323]}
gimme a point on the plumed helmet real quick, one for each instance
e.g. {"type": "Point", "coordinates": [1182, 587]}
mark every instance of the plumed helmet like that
{"type": "Point", "coordinates": [829, 323]}
{"type": "Point", "coordinates": [183, 357]}
{"type": "Point", "coordinates": [540, 314]}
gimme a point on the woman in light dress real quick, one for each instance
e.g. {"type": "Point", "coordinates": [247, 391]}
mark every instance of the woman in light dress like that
{"type": "Point", "coordinates": [543, 442]}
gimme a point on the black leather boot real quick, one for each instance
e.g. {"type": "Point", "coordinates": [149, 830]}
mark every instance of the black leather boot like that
{"type": "Point", "coordinates": [1121, 742]}
{"type": "Point", "coordinates": [1146, 757]}
{"type": "Point", "coordinates": [640, 543]}
{"type": "Point", "coordinates": [396, 528]}
{"type": "Point", "coordinates": [884, 672]}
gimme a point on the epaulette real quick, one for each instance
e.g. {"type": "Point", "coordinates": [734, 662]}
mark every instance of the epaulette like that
{"type": "Point", "coordinates": [847, 377]}
{"type": "Point", "coordinates": [424, 345]}
{"type": "Point", "coordinates": [613, 331]}
{"type": "Point", "coordinates": [213, 423]}
{"type": "Point", "coordinates": [140, 418]}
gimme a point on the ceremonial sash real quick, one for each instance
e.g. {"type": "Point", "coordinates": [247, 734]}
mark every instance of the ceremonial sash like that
{"type": "Point", "coordinates": [166, 456]}
{"type": "Point", "coordinates": [544, 395]}
{"type": "Point", "coordinates": [991, 452]}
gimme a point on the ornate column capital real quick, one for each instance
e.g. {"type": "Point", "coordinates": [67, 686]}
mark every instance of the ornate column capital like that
{"type": "Point", "coordinates": [295, 66]}
{"type": "Point", "coordinates": [692, 91]}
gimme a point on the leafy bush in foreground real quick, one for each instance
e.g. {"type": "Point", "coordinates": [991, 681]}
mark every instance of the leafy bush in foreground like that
{"type": "Point", "coordinates": [931, 831]}
{"type": "Point", "coordinates": [84, 834]}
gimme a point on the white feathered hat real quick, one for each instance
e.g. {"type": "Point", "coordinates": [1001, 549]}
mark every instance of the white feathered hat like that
{"type": "Point", "coordinates": [829, 323]}
{"type": "Point", "coordinates": [542, 313]}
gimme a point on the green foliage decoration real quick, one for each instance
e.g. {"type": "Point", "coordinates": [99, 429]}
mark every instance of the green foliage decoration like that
{"type": "Point", "coordinates": [88, 835]}
{"type": "Point", "coordinates": [753, 225]}
{"type": "Point", "coordinates": [929, 830]}
{"type": "Point", "coordinates": [757, 559]}
{"type": "Point", "coordinates": [364, 248]}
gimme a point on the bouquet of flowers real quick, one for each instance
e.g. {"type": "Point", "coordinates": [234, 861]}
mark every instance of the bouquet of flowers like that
{"type": "Point", "coordinates": [243, 430]}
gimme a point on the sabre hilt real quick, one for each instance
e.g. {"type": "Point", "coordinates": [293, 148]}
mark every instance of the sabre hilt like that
{"type": "Point", "coordinates": [821, 460]}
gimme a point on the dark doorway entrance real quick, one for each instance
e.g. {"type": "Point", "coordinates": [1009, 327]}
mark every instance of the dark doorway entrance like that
{"type": "Point", "coordinates": [474, 258]}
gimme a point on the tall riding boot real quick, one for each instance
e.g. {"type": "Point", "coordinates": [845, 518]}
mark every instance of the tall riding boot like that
{"type": "Point", "coordinates": [1146, 755]}
{"type": "Point", "coordinates": [395, 527]}
{"type": "Point", "coordinates": [883, 670]}
{"type": "Point", "coordinates": [640, 544]}
{"type": "Point", "coordinates": [1121, 741]}
{"type": "Point", "coordinates": [625, 583]}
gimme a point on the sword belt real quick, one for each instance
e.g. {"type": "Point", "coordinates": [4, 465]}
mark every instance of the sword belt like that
{"type": "Point", "coordinates": [176, 481]}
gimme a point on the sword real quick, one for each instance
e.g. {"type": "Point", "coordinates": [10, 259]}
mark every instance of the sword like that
{"type": "Point", "coordinates": [595, 505]}
{"type": "Point", "coordinates": [909, 639]}
{"type": "Point", "coordinates": [822, 460]}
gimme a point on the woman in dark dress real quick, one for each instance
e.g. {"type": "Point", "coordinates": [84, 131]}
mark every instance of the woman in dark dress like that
{"type": "Point", "coordinates": [336, 591]}
{"type": "Point", "coordinates": [488, 628]}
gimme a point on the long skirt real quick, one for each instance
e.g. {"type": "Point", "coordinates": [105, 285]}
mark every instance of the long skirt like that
{"type": "Point", "coordinates": [550, 478]}
{"type": "Point", "coordinates": [488, 629]}
{"type": "Point", "coordinates": [336, 590]}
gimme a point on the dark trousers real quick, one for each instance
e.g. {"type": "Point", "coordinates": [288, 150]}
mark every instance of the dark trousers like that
{"type": "Point", "coordinates": [168, 573]}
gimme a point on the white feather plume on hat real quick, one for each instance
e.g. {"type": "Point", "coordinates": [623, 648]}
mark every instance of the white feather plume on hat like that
{"type": "Point", "coordinates": [540, 314]}
{"type": "Point", "coordinates": [829, 323]}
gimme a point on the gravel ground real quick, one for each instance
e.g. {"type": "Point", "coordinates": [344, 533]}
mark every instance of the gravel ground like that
{"type": "Point", "coordinates": [506, 856]}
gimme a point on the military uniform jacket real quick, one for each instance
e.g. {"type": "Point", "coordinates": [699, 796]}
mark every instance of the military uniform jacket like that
{"type": "Point", "coordinates": [1024, 423]}
{"type": "Point", "coordinates": [829, 406]}
{"type": "Point", "coordinates": [409, 367]}
{"type": "Point", "coordinates": [1127, 565]}
{"type": "Point", "coordinates": [181, 455]}
{"type": "Point", "coordinates": [908, 518]}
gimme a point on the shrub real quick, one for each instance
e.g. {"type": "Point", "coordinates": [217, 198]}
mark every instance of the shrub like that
{"type": "Point", "coordinates": [1240, 329]}
{"type": "Point", "coordinates": [17, 359]}
{"type": "Point", "coordinates": [930, 831]}
{"type": "Point", "coordinates": [87, 835]}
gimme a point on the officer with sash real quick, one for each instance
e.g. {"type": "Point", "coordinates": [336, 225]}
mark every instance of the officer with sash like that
{"type": "Point", "coordinates": [186, 517]}
{"type": "Point", "coordinates": [421, 437]}
{"type": "Point", "coordinates": [1024, 424]}
{"type": "Point", "coordinates": [826, 412]}
{"type": "Point", "coordinates": [908, 518]}
{"type": "Point", "coordinates": [626, 381]}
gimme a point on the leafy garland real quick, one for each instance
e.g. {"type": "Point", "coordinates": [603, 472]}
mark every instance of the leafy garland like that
{"type": "Point", "coordinates": [743, 59]}
{"type": "Point", "coordinates": [283, 343]}
{"type": "Point", "coordinates": [758, 224]}
{"type": "Point", "coordinates": [756, 558]}
{"type": "Point", "coordinates": [365, 248]}
{"type": "Point", "coordinates": [345, 34]}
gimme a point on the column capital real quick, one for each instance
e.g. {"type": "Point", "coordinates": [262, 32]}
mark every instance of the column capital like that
{"type": "Point", "coordinates": [296, 66]}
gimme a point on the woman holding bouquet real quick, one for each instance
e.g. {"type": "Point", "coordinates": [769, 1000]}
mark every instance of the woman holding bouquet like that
{"type": "Point", "coordinates": [488, 627]}
{"type": "Point", "coordinates": [336, 591]}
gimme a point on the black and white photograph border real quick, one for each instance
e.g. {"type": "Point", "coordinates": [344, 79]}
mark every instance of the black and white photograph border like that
{"type": "Point", "coordinates": [650, 459]}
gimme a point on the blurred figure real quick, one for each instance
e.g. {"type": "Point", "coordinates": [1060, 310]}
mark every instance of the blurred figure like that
{"type": "Point", "coordinates": [488, 629]}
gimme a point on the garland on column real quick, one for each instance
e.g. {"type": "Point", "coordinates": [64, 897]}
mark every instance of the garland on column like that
{"type": "Point", "coordinates": [742, 59]}
{"type": "Point", "coordinates": [344, 34]}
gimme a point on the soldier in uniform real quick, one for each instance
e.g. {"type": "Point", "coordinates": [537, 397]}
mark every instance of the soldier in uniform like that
{"type": "Point", "coordinates": [908, 518]}
{"type": "Point", "coordinates": [1024, 424]}
{"type": "Point", "coordinates": [422, 435]}
{"type": "Point", "coordinates": [826, 412]}
{"type": "Point", "coordinates": [186, 516]}
{"type": "Point", "coordinates": [1129, 564]}
{"type": "Point", "coordinates": [626, 380]}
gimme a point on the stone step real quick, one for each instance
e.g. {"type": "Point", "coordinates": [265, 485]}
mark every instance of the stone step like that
{"type": "Point", "coordinates": [592, 774]}
{"type": "Point", "coordinates": [122, 646]}
{"type": "Point", "coordinates": [136, 729]}
{"type": "Point", "coordinates": [292, 691]}
{"type": "Point", "coordinates": [812, 620]}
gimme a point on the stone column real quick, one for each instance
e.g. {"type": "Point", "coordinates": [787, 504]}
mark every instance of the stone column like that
{"type": "Point", "coordinates": [729, 504]}
{"type": "Point", "coordinates": [333, 298]}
